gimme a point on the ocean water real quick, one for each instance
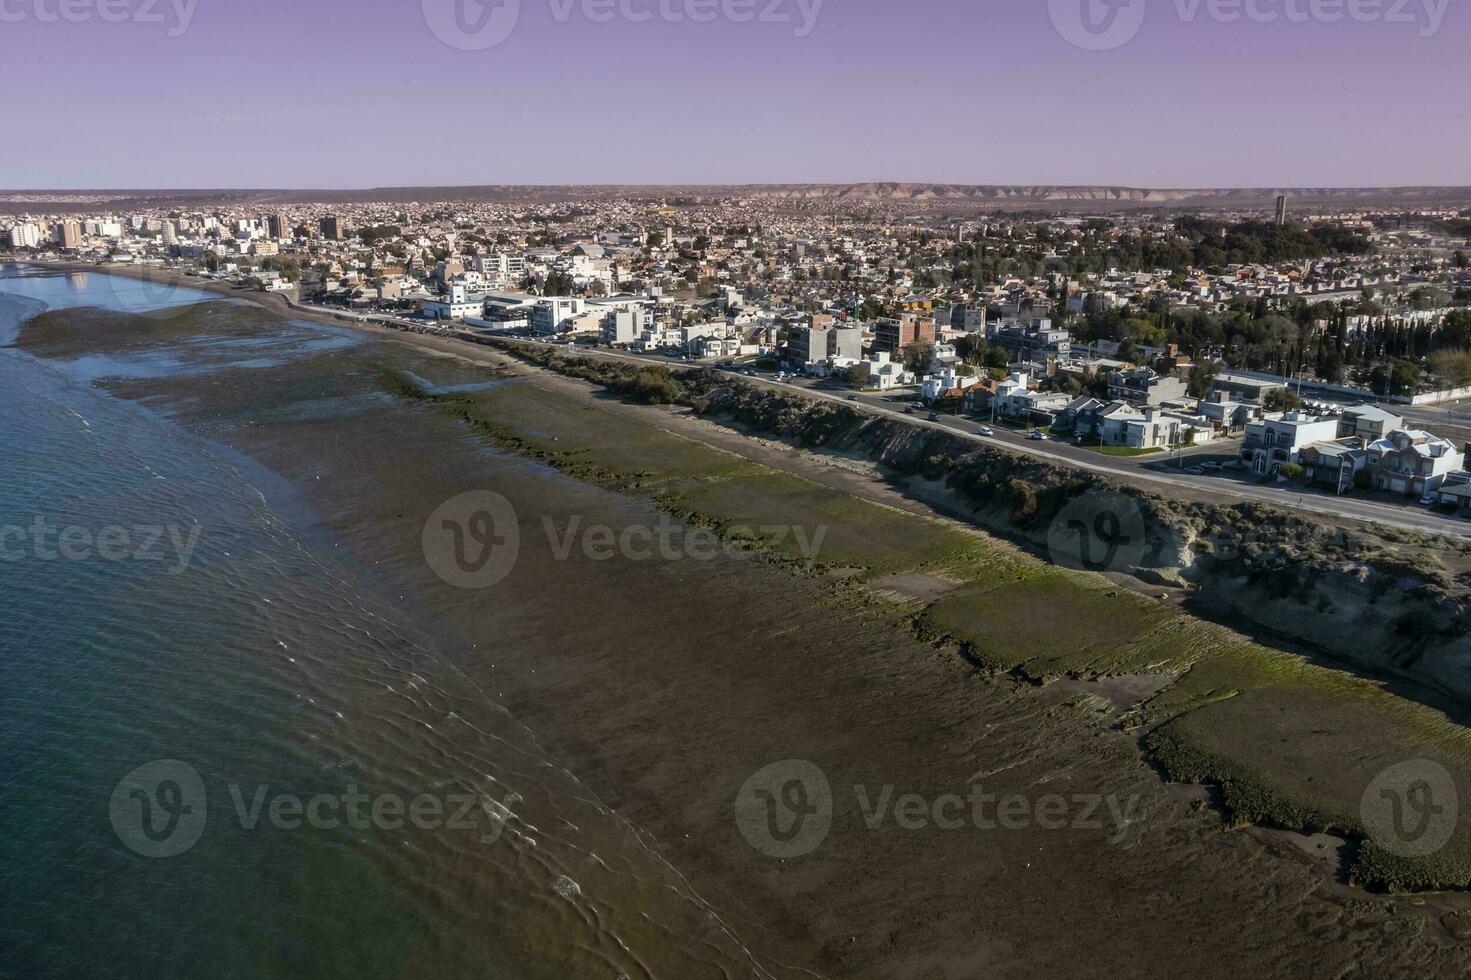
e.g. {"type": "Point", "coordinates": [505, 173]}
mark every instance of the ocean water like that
{"type": "Point", "coordinates": [227, 750]}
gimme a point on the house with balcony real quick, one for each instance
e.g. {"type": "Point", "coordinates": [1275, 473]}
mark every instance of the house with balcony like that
{"type": "Point", "coordinates": [1227, 414]}
{"type": "Point", "coordinates": [1413, 462]}
{"type": "Point", "coordinates": [1016, 399]}
{"type": "Point", "coordinates": [1336, 464]}
{"type": "Point", "coordinates": [1142, 386]}
{"type": "Point", "coordinates": [948, 384]}
{"type": "Point", "coordinates": [1122, 424]}
{"type": "Point", "coordinates": [1271, 443]}
{"type": "Point", "coordinates": [1369, 422]}
{"type": "Point", "coordinates": [880, 371]}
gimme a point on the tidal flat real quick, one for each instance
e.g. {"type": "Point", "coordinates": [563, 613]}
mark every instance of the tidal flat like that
{"type": "Point", "coordinates": [663, 684]}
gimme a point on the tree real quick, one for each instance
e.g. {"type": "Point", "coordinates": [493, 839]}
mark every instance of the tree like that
{"type": "Point", "coordinates": [1202, 377]}
{"type": "Point", "coordinates": [1281, 400]}
{"type": "Point", "coordinates": [1396, 378]}
{"type": "Point", "coordinates": [917, 357]}
{"type": "Point", "coordinates": [1461, 260]}
{"type": "Point", "coordinates": [1452, 366]}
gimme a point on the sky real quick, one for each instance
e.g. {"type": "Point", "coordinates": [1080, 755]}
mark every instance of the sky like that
{"type": "Point", "coordinates": [375, 93]}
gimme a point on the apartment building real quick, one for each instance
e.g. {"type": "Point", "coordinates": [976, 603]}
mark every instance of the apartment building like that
{"type": "Point", "coordinates": [893, 334]}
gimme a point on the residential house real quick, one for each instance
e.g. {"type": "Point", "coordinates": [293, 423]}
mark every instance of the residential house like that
{"type": "Point", "coordinates": [1015, 399]}
{"type": "Point", "coordinates": [1369, 422]}
{"type": "Point", "coordinates": [880, 371]}
{"type": "Point", "coordinates": [1414, 462]}
{"type": "Point", "coordinates": [1122, 424]}
{"type": "Point", "coordinates": [1081, 415]}
{"type": "Point", "coordinates": [1225, 413]}
{"type": "Point", "coordinates": [1455, 491]}
{"type": "Point", "coordinates": [1142, 386]}
{"type": "Point", "coordinates": [977, 398]}
{"type": "Point", "coordinates": [1271, 443]}
{"type": "Point", "coordinates": [1335, 464]}
{"type": "Point", "coordinates": [946, 385]}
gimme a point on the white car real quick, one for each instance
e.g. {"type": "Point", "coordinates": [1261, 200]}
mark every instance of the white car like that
{"type": "Point", "coordinates": [985, 430]}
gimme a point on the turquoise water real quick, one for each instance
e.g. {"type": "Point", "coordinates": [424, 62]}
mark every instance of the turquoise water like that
{"type": "Point", "coordinates": [201, 624]}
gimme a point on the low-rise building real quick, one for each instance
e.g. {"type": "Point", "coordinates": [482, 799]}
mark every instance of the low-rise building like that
{"type": "Point", "coordinates": [1142, 386]}
{"type": "Point", "coordinates": [946, 385]}
{"type": "Point", "coordinates": [1271, 443]}
{"type": "Point", "coordinates": [1369, 422]}
{"type": "Point", "coordinates": [1413, 462]}
{"type": "Point", "coordinates": [552, 315]}
{"type": "Point", "coordinates": [1335, 464]}
{"type": "Point", "coordinates": [880, 371]}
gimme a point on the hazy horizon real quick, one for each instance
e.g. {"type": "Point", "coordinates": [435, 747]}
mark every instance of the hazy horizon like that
{"type": "Point", "coordinates": [1182, 94]}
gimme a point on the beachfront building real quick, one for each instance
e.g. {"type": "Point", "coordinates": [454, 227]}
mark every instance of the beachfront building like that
{"type": "Point", "coordinates": [1271, 443]}
{"type": "Point", "coordinates": [880, 371]}
{"type": "Point", "coordinates": [457, 304]}
{"type": "Point", "coordinates": [1413, 462]}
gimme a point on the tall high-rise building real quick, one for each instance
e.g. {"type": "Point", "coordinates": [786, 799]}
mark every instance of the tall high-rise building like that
{"type": "Point", "coordinates": [69, 234]}
{"type": "Point", "coordinates": [25, 235]}
{"type": "Point", "coordinates": [332, 228]}
{"type": "Point", "coordinates": [278, 226]}
{"type": "Point", "coordinates": [1281, 209]}
{"type": "Point", "coordinates": [170, 233]}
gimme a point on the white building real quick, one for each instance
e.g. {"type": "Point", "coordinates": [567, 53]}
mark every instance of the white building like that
{"type": "Point", "coordinates": [25, 236]}
{"type": "Point", "coordinates": [880, 372]}
{"type": "Point", "coordinates": [457, 304]}
{"type": "Point", "coordinates": [937, 385]}
{"type": "Point", "coordinates": [622, 326]}
{"type": "Point", "coordinates": [1272, 443]}
{"type": "Point", "coordinates": [553, 314]}
{"type": "Point", "coordinates": [1120, 424]}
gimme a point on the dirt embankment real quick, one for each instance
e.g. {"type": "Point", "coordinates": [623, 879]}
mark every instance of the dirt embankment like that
{"type": "Point", "coordinates": [1395, 603]}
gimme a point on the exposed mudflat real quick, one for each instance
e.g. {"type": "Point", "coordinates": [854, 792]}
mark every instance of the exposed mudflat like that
{"type": "Point", "coordinates": [664, 684]}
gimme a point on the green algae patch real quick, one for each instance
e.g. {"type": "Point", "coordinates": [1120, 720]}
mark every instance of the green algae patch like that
{"type": "Point", "coordinates": [847, 531]}
{"type": "Point", "coordinates": [1289, 743]}
{"type": "Point", "coordinates": [1294, 745]}
{"type": "Point", "coordinates": [1046, 623]}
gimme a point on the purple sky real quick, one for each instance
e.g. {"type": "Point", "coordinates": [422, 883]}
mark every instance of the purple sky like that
{"type": "Point", "coordinates": [332, 93]}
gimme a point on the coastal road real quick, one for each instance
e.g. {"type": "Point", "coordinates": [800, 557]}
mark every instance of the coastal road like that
{"type": "Point", "coordinates": [1134, 469]}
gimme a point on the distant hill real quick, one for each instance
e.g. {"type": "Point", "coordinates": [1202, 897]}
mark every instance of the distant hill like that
{"type": "Point", "coordinates": [938, 196]}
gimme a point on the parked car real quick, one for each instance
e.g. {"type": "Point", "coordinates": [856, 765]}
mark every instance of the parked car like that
{"type": "Point", "coordinates": [1036, 436]}
{"type": "Point", "coordinates": [985, 430]}
{"type": "Point", "coordinates": [1211, 467]}
{"type": "Point", "coordinates": [1195, 470]}
{"type": "Point", "coordinates": [1429, 499]}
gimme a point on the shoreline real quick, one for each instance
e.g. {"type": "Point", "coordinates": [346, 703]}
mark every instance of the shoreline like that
{"type": "Point", "coordinates": [918, 694]}
{"type": "Point", "coordinates": [283, 306]}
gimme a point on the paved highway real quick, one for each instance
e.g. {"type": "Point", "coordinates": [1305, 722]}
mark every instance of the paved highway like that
{"type": "Point", "coordinates": [1153, 469]}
